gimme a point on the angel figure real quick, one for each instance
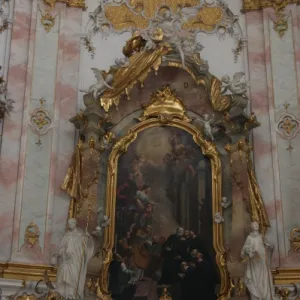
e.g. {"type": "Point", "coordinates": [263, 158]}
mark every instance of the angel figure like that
{"type": "Point", "coordinates": [122, 62]}
{"type": "Point", "coordinates": [107, 140]}
{"type": "Point", "coordinates": [225, 203]}
{"type": "Point", "coordinates": [235, 86]}
{"type": "Point", "coordinates": [207, 124]}
{"type": "Point", "coordinates": [103, 221]}
{"type": "Point", "coordinates": [218, 218]}
{"type": "Point", "coordinates": [103, 82]}
{"type": "Point", "coordinates": [173, 32]}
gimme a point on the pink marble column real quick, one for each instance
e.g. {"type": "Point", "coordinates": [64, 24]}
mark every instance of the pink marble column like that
{"type": "Point", "coordinates": [261, 95]}
{"type": "Point", "coordinates": [12, 160]}
{"type": "Point", "coordinates": [65, 108]}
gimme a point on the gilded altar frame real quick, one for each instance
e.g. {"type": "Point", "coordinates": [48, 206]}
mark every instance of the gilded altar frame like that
{"type": "Point", "coordinates": [209, 150]}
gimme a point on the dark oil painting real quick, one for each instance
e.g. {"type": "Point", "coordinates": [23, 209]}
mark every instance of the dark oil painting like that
{"type": "Point", "coordinates": [164, 233]}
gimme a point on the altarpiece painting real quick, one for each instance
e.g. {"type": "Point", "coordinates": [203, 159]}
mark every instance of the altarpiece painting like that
{"type": "Point", "coordinates": [163, 185]}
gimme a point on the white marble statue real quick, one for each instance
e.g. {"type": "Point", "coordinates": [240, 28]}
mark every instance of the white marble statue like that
{"type": "Point", "coordinates": [236, 86]}
{"type": "Point", "coordinates": [103, 82]}
{"type": "Point", "coordinates": [258, 278]}
{"type": "Point", "coordinates": [75, 250]}
{"type": "Point", "coordinates": [207, 124]}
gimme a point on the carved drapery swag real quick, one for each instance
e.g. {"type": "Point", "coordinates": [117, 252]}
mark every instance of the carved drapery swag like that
{"type": "Point", "coordinates": [72, 180]}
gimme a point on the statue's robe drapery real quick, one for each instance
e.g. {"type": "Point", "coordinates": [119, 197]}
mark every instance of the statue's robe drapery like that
{"type": "Point", "coordinates": [258, 277]}
{"type": "Point", "coordinates": [74, 251]}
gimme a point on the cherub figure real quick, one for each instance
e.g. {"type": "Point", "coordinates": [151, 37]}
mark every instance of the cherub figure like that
{"type": "Point", "coordinates": [218, 218]}
{"type": "Point", "coordinates": [103, 82]}
{"type": "Point", "coordinates": [207, 124]}
{"type": "Point", "coordinates": [225, 203]}
{"type": "Point", "coordinates": [236, 86]}
{"type": "Point", "coordinates": [107, 140]}
{"type": "Point", "coordinates": [103, 221]}
{"type": "Point", "coordinates": [122, 62]}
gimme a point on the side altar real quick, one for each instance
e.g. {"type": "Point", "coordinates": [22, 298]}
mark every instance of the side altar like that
{"type": "Point", "coordinates": [164, 152]}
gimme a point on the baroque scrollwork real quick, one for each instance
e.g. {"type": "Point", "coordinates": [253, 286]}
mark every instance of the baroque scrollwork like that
{"type": "Point", "coordinates": [178, 22]}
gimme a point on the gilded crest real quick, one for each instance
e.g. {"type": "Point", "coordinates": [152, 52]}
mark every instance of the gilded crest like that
{"type": "Point", "coordinates": [166, 105]}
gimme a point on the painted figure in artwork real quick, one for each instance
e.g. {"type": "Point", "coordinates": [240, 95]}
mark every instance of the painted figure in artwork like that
{"type": "Point", "coordinates": [163, 219]}
{"type": "Point", "coordinates": [258, 277]}
{"type": "Point", "coordinates": [73, 253]}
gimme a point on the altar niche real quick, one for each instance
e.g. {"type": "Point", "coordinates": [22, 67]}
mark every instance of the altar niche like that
{"type": "Point", "coordinates": [164, 187]}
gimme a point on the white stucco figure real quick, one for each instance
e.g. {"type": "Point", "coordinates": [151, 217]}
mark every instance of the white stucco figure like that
{"type": "Point", "coordinates": [218, 218]}
{"type": "Point", "coordinates": [258, 278]}
{"type": "Point", "coordinates": [236, 86]}
{"type": "Point", "coordinates": [103, 82]}
{"type": "Point", "coordinates": [74, 252]}
{"type": "Point", "coordinates": [207, 124]}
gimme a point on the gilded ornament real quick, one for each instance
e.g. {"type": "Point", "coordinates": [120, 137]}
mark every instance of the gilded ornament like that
{"type": "Point", "coordinates": [295, 240]}
{"type": "Point", "coordinates": [71, 3]}
{"type": "Point", "coordinates": [123, 18]}
{"type": "Point", "coordinates": [40, 119]}
{"type": "Point", "coordinates": [219, 101]}
{"type": "Point", "coordinates": [284, 293]}
{"type": "Point", "coordinates": [240, 286]}
{"type": "Point", "coordinates": [47, 19]}
{"type": "Point", "coordinates": [125, 78]}
{"type": "Point", "coordinates": [288, 126]}
{"type": "Point", "coordinates": [280, 23]}
{"type": "Point", "coordinates": [260, 4]}
{"type": "Point", "coordinates": [32, 234]}
{"type": "Point", "coordinates": [206, 19]}
{"type": "Point", "coordinates": [165, 104]}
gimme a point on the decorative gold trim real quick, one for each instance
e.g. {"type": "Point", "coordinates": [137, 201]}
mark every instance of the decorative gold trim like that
{"type": "Point", "coordinates": [260, 4]}
{"type": "Point", "coordinates": [27, 272]}
{"type": "Point", "coordinates": [71, 3]}
{"type": "Point", "coordinates": [280, 23]}
{"type": "Point", "coordinates": [210, 151]}
{"type": "Point", "coordinates": [286, 276]}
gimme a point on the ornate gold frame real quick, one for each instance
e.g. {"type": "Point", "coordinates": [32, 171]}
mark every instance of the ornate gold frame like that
{"type": "Point", "coordinates": [180, 121]}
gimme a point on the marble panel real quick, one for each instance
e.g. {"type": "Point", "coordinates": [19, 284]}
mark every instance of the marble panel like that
{"type": "Point", "coordinates": [66, 107]}
{"type": "Point", "coordinates": [284, 75]}
{"type": "Point", "coordinates": [258, 55]}
{"type": "Point", "coordinates": [12, 130]}
{"type": "Point", "coordinates": [34, 195]}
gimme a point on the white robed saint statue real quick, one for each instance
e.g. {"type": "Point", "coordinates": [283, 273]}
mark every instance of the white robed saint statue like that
{"type": "Point", "coordinates": [75, 250]}
{"type": "Point", "coordinates": [258, 277]}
